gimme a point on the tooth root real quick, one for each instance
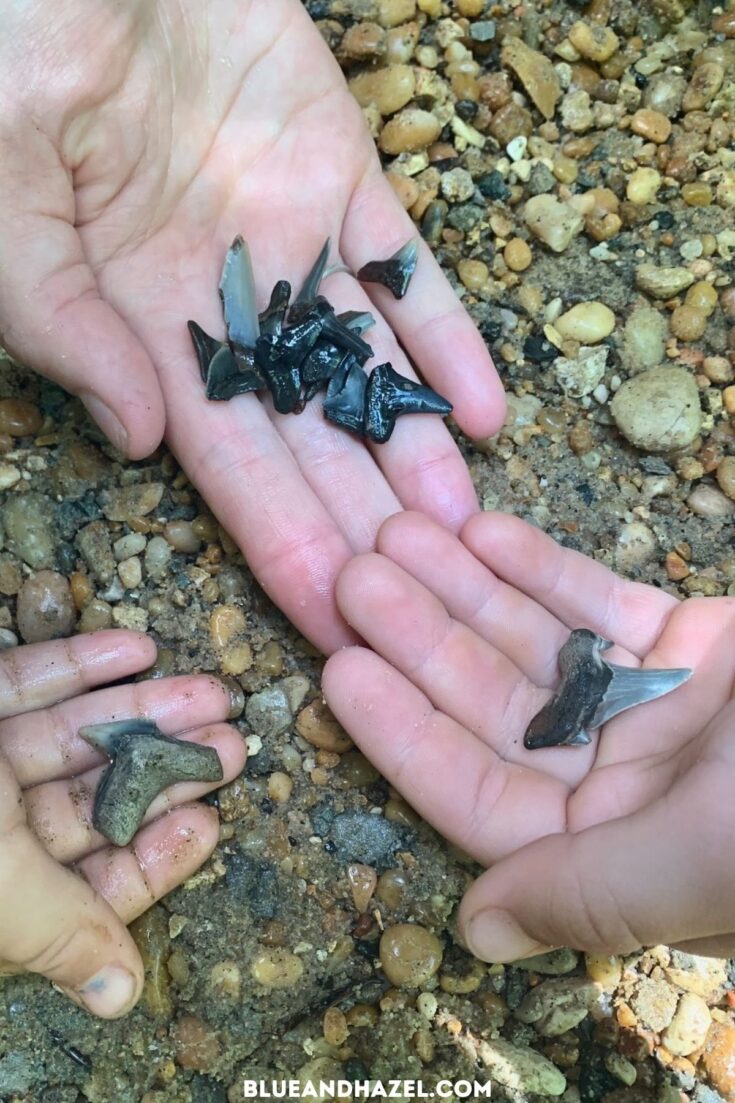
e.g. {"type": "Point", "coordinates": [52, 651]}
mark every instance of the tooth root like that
{"type": "Point", "coordinates": [339, 334]}
{"type": "Point", "coordinates": [356, 320]}
{"type": "Point", "coordinates": [394, 273]}
{"type": "Point", "coordinates": [237, 291]}
{"type": "Point", "coordinates": [629, 687]}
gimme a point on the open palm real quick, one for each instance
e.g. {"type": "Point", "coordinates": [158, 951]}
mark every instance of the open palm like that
{"type": "Point", "coordinates": [152, 135]}
{"type": "Point", "coordinates": [621, 843]}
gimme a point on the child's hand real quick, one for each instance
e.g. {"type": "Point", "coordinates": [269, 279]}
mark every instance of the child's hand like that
{"type": "Point", "coordinates": [622, 843]}
{"type": "Point", "coordinates": [65, 894]}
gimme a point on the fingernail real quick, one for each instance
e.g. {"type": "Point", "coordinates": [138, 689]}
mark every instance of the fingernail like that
{"type": "Point", "coordinates": [494, 935]}
{"type": "Point", "coordinates": [110, 992]}
{"type": "Point", "coordinates": [108, 422]}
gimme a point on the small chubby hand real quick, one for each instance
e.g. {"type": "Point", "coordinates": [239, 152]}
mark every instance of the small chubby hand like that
{"type": "Point", "coordinates": [65, 894]}
{"type": "Point", "coordinates": [138, 140]}
{"type": "Point", "coordinates": [606, 847]}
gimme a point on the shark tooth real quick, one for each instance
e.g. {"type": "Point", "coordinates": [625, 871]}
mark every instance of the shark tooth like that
{"type": "Point", "coordinates": [395, 272]}
{"type": "Point", "coordinates": [237, 291]}
{"type": "Point", "coordinates": [389, 395]}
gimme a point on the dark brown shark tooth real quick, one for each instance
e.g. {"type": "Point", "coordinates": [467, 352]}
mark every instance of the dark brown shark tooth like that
{"type": "Point", "coordinates": [395, 272]}
{"type": "Point", "coordinates": [144, 763]}
{"type": "Point", "coordinates": [237, 291]}
{"type": "Point", "coordinates": [390, 395]}
{"type": "Point", "coordinates": [592, 691]}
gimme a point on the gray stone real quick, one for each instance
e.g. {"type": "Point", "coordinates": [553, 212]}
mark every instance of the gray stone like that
{"type": "Point", "coordinates": [658, 410]}
{"type": "Point", "coordinates": [268, 713]}
{"type": "Point", "coordinates": [30, 529]}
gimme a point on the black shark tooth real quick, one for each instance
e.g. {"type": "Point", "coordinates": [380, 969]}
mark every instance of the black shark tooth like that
{"type": "Point", "coordinates": [395, 272]}
{"type": "Point", "coordinates": [272, 318]}
{"type": "Point", "coordinates": [389, 395]}
{"type": "Point", "coordinates": [345, 401]}
{"type": "Point", "coordinates": [205, 347]}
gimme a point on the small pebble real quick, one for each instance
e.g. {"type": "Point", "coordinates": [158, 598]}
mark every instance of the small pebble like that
{"type": "Point", "coordinates": [702, 296]}
{"type": "Point", "coordinates": [362, 880]}
{"type": "Point", "coordinates": [410, 955]}
{"type": "Point", "coordinates": [390, 88]}
{"type": "Point", "coordinates": [551, 221]}
{"type": "Point", "coordinates": [708, 501]}
{"type": "Point", "coordinates": [688, 323]}
{"type": "Point", "coordinates": [132, 544]}
{"type": "Point", "coordinates": [181, 536]}
{"type": "Point", "coordinates": [587, 322]}
{"type": "Point", "coordinates": [45, 608]}
{"type": "Point", "coordinates": [651, 125]}
{"type": "Point", "coordinates": [663, 283]}
{"type": "Point", "coordinates": [725, 475]}
{"type": "Point", "coordinates": [276, 967]}
{"type": "Point", "coordinates": [137, 500]}
{"type": "Point", "coordinates": [280, 786]}
{"type": "Point", "coordinates": [517, 255]}
{"type": "Point", "coordinates": [157, 557]}
{"type": "Point", "coordinates": [195, 1044]}
{"type": "Point", "coordinates": [410, 130]}
{"type": "Point", "coordinates": [95, 616]}
{"type": "Point", "coordinates": [636, 546]}
{"type": "Point", "coordinates": [19, 418]}
{"type": "Point", "coordinates": [643, 185]}
{"type": "Point", "coordinates": [718, 1057]}
{"type": "Point", "coordinates": [29, 521]}
{"type": "Point", "coordinates": [658, 410]}
{"type": "Point", "coordinates": [474, 274]}
{"type": "Point", "coordinates": [226, 622]}
{"type": "Point", "coordinates": [317, 726]}
{"type": "Point", "coordinates": [9, 475]}
{"type": "Point", "coordinates": [688, 1029]}
{"type": "Point", "coordinates": [593, 41]}
{"type": "Point", "coordinates": [130, 572]}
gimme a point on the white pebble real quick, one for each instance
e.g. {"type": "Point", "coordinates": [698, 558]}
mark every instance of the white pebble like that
{"type": "Point", "coordinates": [132, 544]}
{"type": "Point", "coordinates": [131, 572]}
{"type": "Point", "coordinates": [9, 475]}
{"type": "Point", "coordinates": [157, 556]}
{"type": "Point", "coordinates": [601, 394]}
{"type": "Point", "coordinates": [517, 147]}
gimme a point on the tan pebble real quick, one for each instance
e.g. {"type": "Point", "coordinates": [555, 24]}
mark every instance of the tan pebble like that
{"type": "Point", "coordinates": [457, 985]}
{"type": "Point", "coordinates": [6, 443]}
{"type": "Point", "coordinates": [226, 622]}
{"type": "Point", "coordinates": [470, 8]}
{"type": "Point", "coordinates": [391, 886]}
{"type": "Point", "coordinates": [236, 659]}
{"type": "Point", "coordinates": [697, 194]}
{"type": "Point", "coordinates": [362, 1014]}
{"type": "Point", "coordinates": [728, 399]}
{"type": "Point", "coordinates": [564, 168]}
{"type": "Point", "coordinates": [705, 84]}
{"type": "Point", "coordinates": [334, 1027]}
{"type": "Point", "coordinates": [45, 609]}
{"type": "Point", "coordinates": [19, 418]}
{"type": "Point", "coordinates": [727, 303]}
{"type": "Point", "coordinates": [553, 222]}
{"type": "Point", "coordinates": [424, 1045]}
{"type": "Point", "coordinates": [95, 616]}
{"type": "Point", "coordinates": [396, 810]}
{"type": "Point", "coordinates": [195, 1043]}
{"type": "Point", "coordinates": [725, 23]}
{"type": "Point", "coordinates": [725, 193]}
{"type": "Point", "coordinates": [580, 438]}
{"type": "Point", "coordinates": [593, 41]}
{"type": "Point", "coordinates": [511, 122]}
{"type": "Point", "coordinates": [517, 255]}
{"type": "Point", "coordinates": [662, 283]}
{"type": "Point", "coordinates": [718, 369]}
{"type": "Point", "coordinates": [495, 90]}
{"type": "Point", "coordinates": [389, 89]}
{"type": "Point", "coordinates": [410, 130]}
{"type": "Point", "coordinates": [688, 323]}
{"type": "Point", "coordinates": [362, 41]}
{"type": "Point", "coordinates": [9, 475]}
{"type": "Point", "coordinates": [280, 786]}
{"type": "Point", "coordinates": [688, 1028]}
{"type": "Point", "coordinates": [535, 72]}
{"type": "Point", "coordinates": [362, 880]}
{"type": "Point", "coordinates": [181, 536]}
{"type": "Point", "coordinates": [718, 1058]}
{"type": "Point", "coordinates": [689, 469]}
{"type": "Point", "coordinates": [270, 659]}
{"type": "Point", "coordinates": [702, 296]}
{"type": "Point", "coordinates": [127, 615]}
{"type": "Point", "coordinates": [708, 501]}
{"type": "Point", "coordinates": [130, 572]}
{"type": "Point", "coordinates": [205, 527]}
{"type": "Point", "coordinates": [651, 125]}
{"type": "Point", "coordinates": [276, 967]}
{"type": "Point", "coordinates": [432, 8]}
{"type": "Point", "coordinates": [474, 274]}
{"type": "Point", "coordinates": [676, 567]}
{"type": "Point", "coordinates": [405, 187]}
{"type": "Point", "coordinates": [137, 500]}
{"type": "Point", "coordinates": [225, 978]}
{"type": "Point", "coordinates": [605, 969]}
{"type": "Point", "coordinates": [393, 12]}
{"type": "Point", "coordinates": [587, 322]}
{"type": "Point", "coordinates": [410, 955]}
{"type": "Point", "coordinates": [725, 476]}
{"type": "Point", "coordinates": [317, 726]}
{"type": "Point", "coordinates": [643, 184]}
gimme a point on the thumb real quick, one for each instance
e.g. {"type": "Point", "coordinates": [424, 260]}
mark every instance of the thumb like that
{"type": "Point", "coordinates": [659, 876]}
{"type": "Point", "coordinates": [52, 317]}
{"type": "Point", "coordinates": [53, 923]}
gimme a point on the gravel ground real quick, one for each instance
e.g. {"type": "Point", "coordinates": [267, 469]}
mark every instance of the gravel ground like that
{"type": "Point", "coordinates": [573, 168]}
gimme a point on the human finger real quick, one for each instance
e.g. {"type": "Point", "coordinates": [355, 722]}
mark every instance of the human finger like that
{"type": "Point", "coordinates": [37, 675]}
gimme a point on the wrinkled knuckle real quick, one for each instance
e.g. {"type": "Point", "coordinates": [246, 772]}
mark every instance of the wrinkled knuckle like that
{"type": "Point", "coordinates": [594, 921]}
{"type": "Point", "coordinates": [61, 955]}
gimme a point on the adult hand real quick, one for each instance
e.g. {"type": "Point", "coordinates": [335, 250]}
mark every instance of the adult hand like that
{"type": "Point", "coordinates": [138, 140]}
{"type": "Point", "coordinates": [607, 847]}
{"type": "Point", "coordinates": [65, 895]}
